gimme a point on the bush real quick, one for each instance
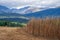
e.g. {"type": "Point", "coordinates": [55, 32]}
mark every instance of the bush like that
{"type": "Point", "coordinates": [3, 23]}
{"type": "Point", "coordinates": [11, 24]}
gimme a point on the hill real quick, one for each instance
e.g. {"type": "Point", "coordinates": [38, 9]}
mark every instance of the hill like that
{"type": "Point", "coordinates": [48, 12]}
{"type": "Point", "coordinates": [21, 20]}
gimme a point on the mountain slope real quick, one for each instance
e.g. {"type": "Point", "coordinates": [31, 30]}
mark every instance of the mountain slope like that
{"type": "Point", "coordinates": [7, 14]}
{"type": "Point", "coordinates": [19, 11]}
{"type": "Point", "coordinates": [3, 7]}
{"type": "Point", "coordinates": [5, 11]}
{"type": "Point", "coordinates": [22, 10]}
{"type": "Point", "coordinates": [49, 12]}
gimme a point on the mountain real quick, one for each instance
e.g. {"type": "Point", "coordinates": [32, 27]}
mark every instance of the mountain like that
{"type": "Point", "coordinates": [22, 10]}
{"type": "Point", "coordinates": [45, 13]}
{"type": "Point", "coordinates": [6, 14]}
{"type": "Point", "coordinates": [3, 9]}
{"type": "Point", "coordinates": [26, 10]}
{"type": "Point", "coordinates": [19, 11]}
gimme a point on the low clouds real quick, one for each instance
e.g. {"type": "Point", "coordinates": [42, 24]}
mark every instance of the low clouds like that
{"type": "Point", "coordinates": [38, 3]}
{"type": "Point", "coordinates": [47, 3]}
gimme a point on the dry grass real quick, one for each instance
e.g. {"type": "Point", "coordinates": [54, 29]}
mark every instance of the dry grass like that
{"type": "Point", "coordinates": [10, 33]}
{"type": "Point", "coordinates": [48, 28]}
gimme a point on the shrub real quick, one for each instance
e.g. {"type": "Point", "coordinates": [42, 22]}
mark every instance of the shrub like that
{"type": "Point", "coordinates": [11, 24]}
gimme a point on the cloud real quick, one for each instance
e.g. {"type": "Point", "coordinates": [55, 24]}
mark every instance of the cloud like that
{"type": "Point", "coordinates": [47, 3]}
{"type": "Point", "coordinates": [38, 3]}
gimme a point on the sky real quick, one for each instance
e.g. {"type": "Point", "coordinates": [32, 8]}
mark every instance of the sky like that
{"type": "Point", "coordinates": [36, 3]}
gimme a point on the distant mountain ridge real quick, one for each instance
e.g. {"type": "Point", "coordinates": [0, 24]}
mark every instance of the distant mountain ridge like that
{"type": "Point", "coordinates": [23, 10]}
{"type": "Point", "coordinates": [45, 13]}
{"type": "Point", "coordinates": [27, 12]}
{"type": "Point", "coordinates": [13, 10]}
{"type": "Point", "coordinates": [6, 13]}
{"type": "Point", "coordinates": [19, 11]}
{"type": "Point", "coordinates": [3, 7]}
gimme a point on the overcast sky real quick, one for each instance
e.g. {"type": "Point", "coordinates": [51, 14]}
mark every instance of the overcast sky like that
{"type": "Point", "coordinates": [37, 3]}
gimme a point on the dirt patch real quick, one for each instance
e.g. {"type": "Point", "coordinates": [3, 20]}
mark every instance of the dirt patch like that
{"type": "Point", "coordinates": [10, 33]}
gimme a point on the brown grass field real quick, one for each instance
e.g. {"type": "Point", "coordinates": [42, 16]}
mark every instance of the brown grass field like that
{"type": "Point", "coordinates": [36, 29]}
{"type": "Point", "coordinates": [14, 33]}
{"type": "Point", "coordinates": [47, 28]}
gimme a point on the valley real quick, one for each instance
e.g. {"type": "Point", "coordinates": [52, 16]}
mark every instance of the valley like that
{"type": "Point", "coordinates": [29, 19]}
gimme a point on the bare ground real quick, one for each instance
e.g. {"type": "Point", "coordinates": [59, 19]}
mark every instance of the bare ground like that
{"type": "Point", "coordinates": [10, 33]}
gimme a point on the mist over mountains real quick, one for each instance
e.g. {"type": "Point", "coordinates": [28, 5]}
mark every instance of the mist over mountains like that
{"type": "Point", "coordinates": [45, 13]}
{"type": "Point", "coordinates": [23, 10]}
{"type": "Point", "coordinates": [29, 11]}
